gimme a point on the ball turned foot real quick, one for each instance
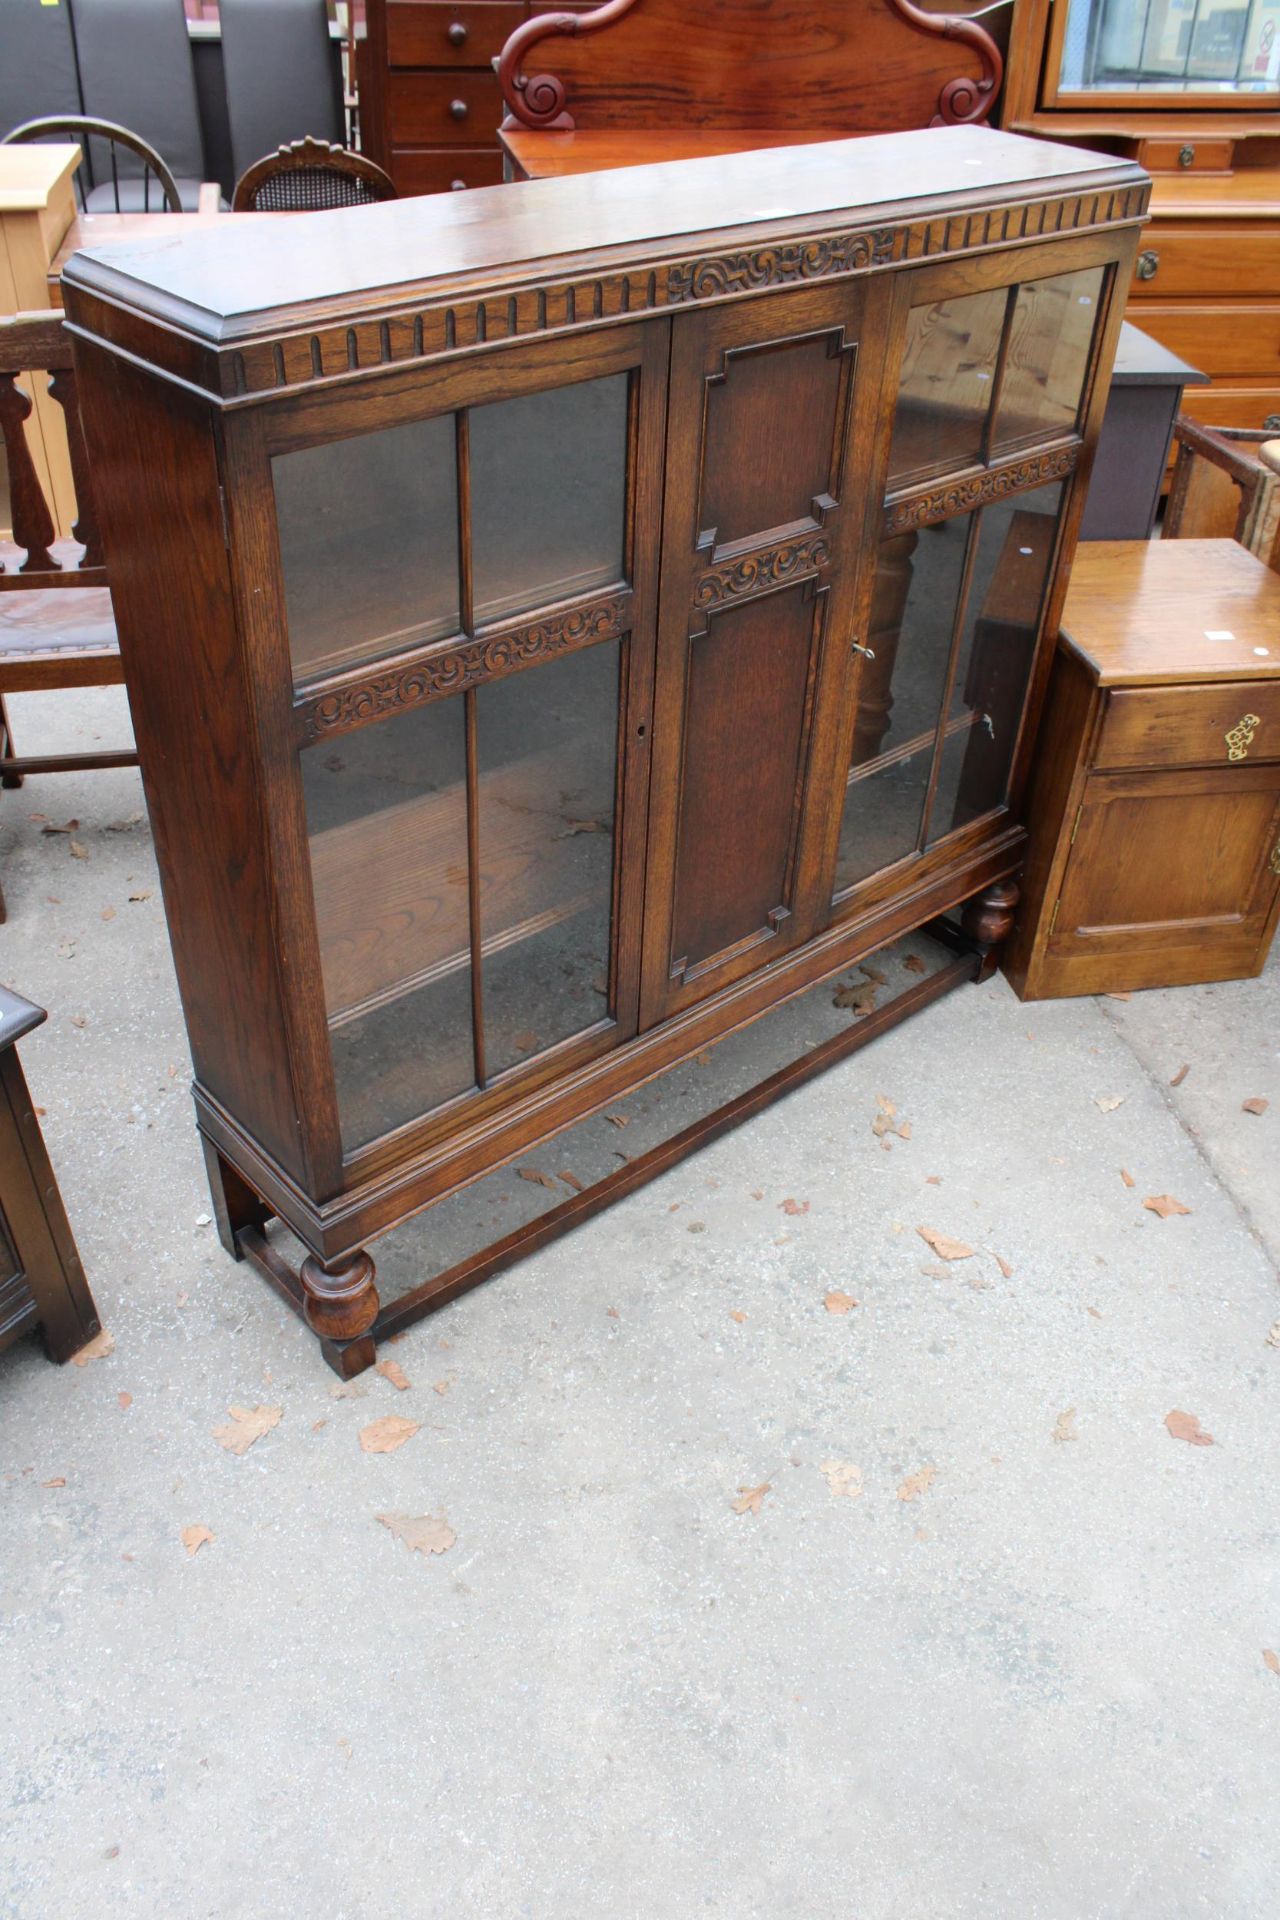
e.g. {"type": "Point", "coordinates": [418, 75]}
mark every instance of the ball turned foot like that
{"type": "Point", "coordinates": [988, 921]}
{"type": "Point", "coordinates": [341, 1299]}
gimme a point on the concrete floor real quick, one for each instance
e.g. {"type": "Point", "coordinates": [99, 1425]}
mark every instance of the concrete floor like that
{"type": "Point", "coordinates": [1034, 1690]}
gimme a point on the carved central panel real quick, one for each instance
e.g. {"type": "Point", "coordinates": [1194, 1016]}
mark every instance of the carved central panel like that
{"type": "Point", "coordinates": [773, 442]}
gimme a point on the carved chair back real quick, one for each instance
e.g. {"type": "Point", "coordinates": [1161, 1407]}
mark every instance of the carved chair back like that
{"type": "Point", "coordinates": [34, 558]}
{"type": "Point", "coordinates": [56, 624]}
{"type": "Point", "coordinates": [843, 66]}
{"type": "Point", "coordinates": [307, 176]}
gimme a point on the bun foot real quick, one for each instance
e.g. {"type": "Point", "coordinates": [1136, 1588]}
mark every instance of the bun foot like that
{"type": "Point", "coordinates": [988, 920]}
{"type": "Point", "coordinates": [340, 1299]}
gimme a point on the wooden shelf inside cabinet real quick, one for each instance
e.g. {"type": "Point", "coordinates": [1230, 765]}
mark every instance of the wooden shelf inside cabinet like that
{"type": "Point", "coordinates": [434, 900]}
{"type": "Point", "coordinates": [1155, 808]}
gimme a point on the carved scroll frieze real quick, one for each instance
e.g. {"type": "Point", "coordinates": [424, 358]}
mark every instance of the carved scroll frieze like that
{"type": "Point", "coordinates": [530, 311]}
{"type": "Point", "coordinates": [778, 266]}
{"type": "Point", "coordinates": [977, 490]}
{"type": "Point", "coordinates": [755, 571]}
{"type": "Point", "coordinates": [454, 668]}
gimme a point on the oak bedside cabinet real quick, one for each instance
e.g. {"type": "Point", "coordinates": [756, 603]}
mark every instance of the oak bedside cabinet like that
{"type": "Point", "coordinates": [1154, 812]}
{"type": "Point", "coordinates": [563, 624]}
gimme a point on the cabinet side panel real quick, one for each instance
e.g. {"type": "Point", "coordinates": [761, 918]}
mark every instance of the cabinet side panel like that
{"type": "Point", "coordinates": [1061, 747]}
{"type": "Point", "coordinates": [156, 471]}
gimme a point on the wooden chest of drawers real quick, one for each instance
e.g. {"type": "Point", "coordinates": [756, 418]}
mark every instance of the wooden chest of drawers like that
{"type": "Point", "coordinates": [429, 101]}
{"type": "Point", "coordinates": [1155, 809]}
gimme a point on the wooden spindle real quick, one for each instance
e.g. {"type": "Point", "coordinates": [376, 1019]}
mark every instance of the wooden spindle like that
{"type": "Point", "coordinates": [28, 509]}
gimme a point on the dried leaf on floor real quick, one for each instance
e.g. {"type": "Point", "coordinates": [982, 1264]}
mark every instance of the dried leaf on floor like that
{"type": "Point", "coordinates": [1004, 1266]}
{"type": "Point", "coordinates": [193, 1538]}
{"type": "Point", "coordinates": [1094, 1312]}
{"type": "Point", "coordinates": [247, 1425]}
{"type": "Point", "coordinates": [59, 1480]}
{"type": "Point", "coordinates": [1273, 1335]}
{"type": "Point", "coordinates": [123, 826]}
{"type": "Point", "coordinates": [618, 1119]}
{"type": "Point", "coordinates": [838, 1302]}
{"type": "Point", "coordinates": [1124, 994]}
{"type": "Point", "coordinates": [794, 1207]}
{"type": "Point", "coordinates": [392, 1371]}
{"type": "Point", "coordinates": [914, 964]}
{"type": "Point", "coordinates": [125, 1400]}
{"type": "Point", "coordinates": [441, 1386]}
{"type": "Point", "coordinates": [1108, 1102]}
{"type": "Point", "coordinates": [843, 1478]}
{"type": "Point", "coordinates": [886, 1120]}
{"type": "Point", "coordinates": [856, 996]}
{"type": "Point", "coordinates": [67, 826]}
{"type": "Point", "coordinates": [143, 894]}
{"type": "Point", "coordinates": [945, 1248]}
{"type": "Point", "coordinates": [736, 1313]}
{"type": "Point", "coordinates": [425, 1533]}
{"type": "Point", "coordinates": [581, 826]}
{"type": "Point", "coordinates": [1256, 1105]}
{"type": "Point", "coordinates": [1064, 1427]}
{"type": "Point", "coordinates": [108, 913]}
{"type": "Point", "coordinates": [525, 1041]}
{"type": "Point", "coordinates": [750, 1499]}
{"type": "Point", "coordinates": [385, 1435]}
{"type": "Point", "coordinates": [96, 1349]}
{"type": "Point", "coordinates": [932, 1180]}
{"type": "Point", "coordinates": [873, 974]}
{"type": "Point", "coordinates": [80, 1020]}
{"type": "Point", "coordinates": [1164, 1204]}
{"type": "Point", "coordinates": [1181, 1074]}
{"type": "Point", "coordinates": [1127, 1177]}
{"type": "Point", "coordinates": [348, 1390]}
{"type": "Point", "coordinates": [917, 1483]}
{"type": "Point", "coordinates": [1186, 1426]}
{"type": "Point", "coordinates": [79, 851]}
{"type": "Point", "coordinates": [571, 1180]}
{"type": "Point", "coordinates": [1271, 1659]}
{"type": "Point", "coordinates": [537, 1178]}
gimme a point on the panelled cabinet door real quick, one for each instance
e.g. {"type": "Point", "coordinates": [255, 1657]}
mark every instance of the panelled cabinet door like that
{"type": "Point", "coordinates": [1183, 859]}
{"type": "Point", "coordinates": [470, 595]}
{"type": "Point", "coordinates": [771, 404]}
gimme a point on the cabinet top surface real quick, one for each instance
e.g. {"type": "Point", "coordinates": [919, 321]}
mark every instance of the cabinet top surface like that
{"type": "Point", "coordinates": [1161, 612]}
{"type": "Point", "coordinates": [228, 281]}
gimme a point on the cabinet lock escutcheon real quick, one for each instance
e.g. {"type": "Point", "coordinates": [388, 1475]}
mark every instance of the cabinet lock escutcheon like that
{"type": "Point", "coordinates": [1148, 264]}
{"type": "Point", "coordinates": [1240, 738]}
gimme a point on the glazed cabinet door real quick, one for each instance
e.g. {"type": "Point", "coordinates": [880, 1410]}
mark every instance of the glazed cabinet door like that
{"type": "Point", "coordinates": [771, 419]}
{"type": "Point", "coordinates": [467, 571]}
{"type": "Point", "coordinates": [994, 367]}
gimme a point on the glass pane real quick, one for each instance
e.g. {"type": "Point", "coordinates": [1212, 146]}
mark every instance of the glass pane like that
{"type": "Point", "coordinates": [546, 742]}
{"type": "Point", "coordinates": [1172, 46]}
{"type": "Point", "coordinates": [900, 696]}
{"type": "Point", "coordinates": [997, 645]}
{"type": "Point", "coordinates": [386, 814]}
{"type": "Point", "coordinates": [548, 492]}
{"type": "Point", "coordinates": [1049, 340]}
{"type": "Point", "coordinates": [945, 390]}
{"type": "Point", "coordinates": [369, 543]}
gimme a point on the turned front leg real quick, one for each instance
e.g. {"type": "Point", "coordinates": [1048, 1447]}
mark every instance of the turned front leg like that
{"type": "Point", "coordinates": [988, 921]}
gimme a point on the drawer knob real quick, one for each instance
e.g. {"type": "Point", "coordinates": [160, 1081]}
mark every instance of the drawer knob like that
{"type": "Point", "coordinates": [1148, 264]}
{"type": "Point", "coordinates": [458, 108]}
{"type": "Point", "coordinates": [1240, 738]}
{"type": "Point", "coordinates": [457, 34]}
{"type": "Point", "coordinates": [457, 186]}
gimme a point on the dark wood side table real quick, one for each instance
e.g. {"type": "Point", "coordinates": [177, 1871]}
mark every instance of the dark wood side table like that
{"type": "Point", "coordinates": [1137, 431]}
{"type": "Point", "coordinates": [1154, 858]}
{"type": "Point", "coordinates": [42, 1283]}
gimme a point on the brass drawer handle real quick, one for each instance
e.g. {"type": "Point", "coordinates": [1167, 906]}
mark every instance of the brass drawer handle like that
{"type": "Point", "coordinates": [1186, 156]}
{"type": "Point", "coordinates": [1240, 738]}
{"type": "Point", "coordinates": [1148, 264]}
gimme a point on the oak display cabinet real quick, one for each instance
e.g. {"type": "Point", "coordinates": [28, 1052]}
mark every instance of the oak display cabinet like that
{"type": "Point", "coordinates": [563, 622]}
